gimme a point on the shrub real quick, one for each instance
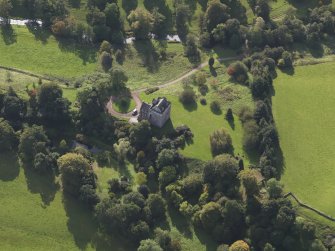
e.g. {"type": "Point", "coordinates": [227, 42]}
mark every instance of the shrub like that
{"type": "Point", "coordinates": [215, 107]}
{"type": "Point", "coordinates": [119, 56]}
{"type": "Point", "coordinates": [239, 246]}
{"type": "Point", "coordinates": [203, 101]}
{"type": "Point", "coordinates": [238, 71]}
{"type": "Point", "coordinates": [200, 78]}
{"type": "Point", "coordinates": [221, 142]}
{"type": "Point", "coordinates": [106, 61]}
{"type": "Point", "coordinates": [286, 60]}
{"type": "Point", "coordinates": [245, 114]}
{"type": "Point", "coordinates": [251, 138]}
{"type": "Point", "coordinates": [105, 47]}
{"type": "Point", "coordinates": [151, 90]}
{"type": "Point", "coordinates": [167, 175]}
{"type": "Point", "coordinates": [211, 62]}
{"type": "Point", "coordinates": [187, 96]}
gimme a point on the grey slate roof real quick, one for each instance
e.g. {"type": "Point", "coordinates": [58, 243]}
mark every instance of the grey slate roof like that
{"type": "Point", "coordinates": [144, 111]}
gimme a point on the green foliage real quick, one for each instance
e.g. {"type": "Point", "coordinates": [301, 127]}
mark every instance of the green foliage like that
{"type": "Point", "coordinates": [166, 157]}
{"type": "Point", "coordinates": [221, 173]}
{"type": "Point", "coordinates": [141, 22]}
{"type": "Point", "coordinates": [238, 71]}
{"type": "Point", "coordinates": [249, 181]}
{"type": "Point", "coordinates": [275, 188]}
{"type": "Point", "coordinates": [210, 215]}
{"type": "Point", "coordinates": [167, 175]}
{"type": "Point", "coordinates": [182, 19]}
{"type": "Point", "coordinates": [5, 9]}
{"type": "Point", "coordinates": [187, 96]}
{"type": "Point", "coordinates": [45, 162]}
{"type": "Point", "coordinates": [74, 169]}
{"type": "Point", "coordinates": [13, 107]}
{"type": "Point", "coordinates": [52, 107]}
{"type": "Point", "coordinates": [32, 139]}
{"type": "Point", "coordinates": [216, 13]}
{"type": "Point", "coordinates": [139, 134]}
{"type": "Point", "coordinates": [149, 245]}
{"type": "Point", "coordinates": [156, 204]}
{"type": "Point", "coordinates": [8, 138]}
{"type": "Point", "coordinates": [221, 142]}
{"type": "Point", "coordinates": [141, 178]}
{"type": "Point", "coordinates": [191, 50]}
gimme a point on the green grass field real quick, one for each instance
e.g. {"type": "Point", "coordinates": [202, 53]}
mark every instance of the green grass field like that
{"type": "Point", "coordinates": [145, 69]}
{"type": "Point", "coordinates": [64, 60]}
{"type": "Point", "coordinates": [32, 212]}
{"type": "Point", "coordinates": [36, 216]}
{"type": "Point", "coordinates": [303, 108]}
{"type": "Point", "coordinates": [45, 55]}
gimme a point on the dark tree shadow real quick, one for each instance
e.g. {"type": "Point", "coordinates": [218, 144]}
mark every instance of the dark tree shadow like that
{"type": "Point", "coordinates": [280, 161]}
{"type": "Point", "coordinates": [183, 225]}
{"type": "Point", "coordinates": [43, 184]}
{"type": "Point", "coordinates": [80, 221]}
{"type": "Point", "coordinates": [87, 53]}
{"type": "Point", "coordinates": [40, 33]}
{"type": "Point", "coordinates": [9, 166]}
{"type": "Point", "coordinates": [288, 70]}
{"type": "Point", "coordinates": [317, 50]}
{"type": "Point", "coordinates": [124, 171]}
{"type": "Point", "coordinates": [216, 111]}
{"type": "Point", "coordinates": [205, 239]}
{"type": "Point", "coordinates": [213, 71]}
{"type": "Point", "coordinates": [148, 55]}
{"type": "Point", "coordinates": [104, 242]}
{"type": "Point", "coordinates": [75, 3]}
{"type": "Point", "coordinates": [167, 130]}
{"type": "Point", "coordinates": [203, 4]}
{"type": "Point", "coordinates": [193, 106]}
{"type": "Point", "coordinates": [231, 123]}
{"type": "Point", "coordinates": [8, 34]}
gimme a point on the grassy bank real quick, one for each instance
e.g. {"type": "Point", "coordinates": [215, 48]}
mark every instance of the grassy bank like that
{"type": "Point", "coordinates": [42, 53]}
{"type": "Point", "coordinates": [303, 108]}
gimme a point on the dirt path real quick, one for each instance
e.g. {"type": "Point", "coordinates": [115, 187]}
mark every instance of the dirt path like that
{"type": "Point", "coordinates": [111, 111]}
{"type": "Point", "coordinates": [135, 94]}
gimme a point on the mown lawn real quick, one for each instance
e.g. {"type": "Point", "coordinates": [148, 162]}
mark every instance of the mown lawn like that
{"type": "Point", "coordinates": [202, 120]}
{"type": "Point", "coordinates": [303, 108]}
{"type": "Point", "coordinates": [41, 53]}
{"type": "Point", "coordinates": [32, 213]}
{"type": "Point", "coordinates": [36, 216]}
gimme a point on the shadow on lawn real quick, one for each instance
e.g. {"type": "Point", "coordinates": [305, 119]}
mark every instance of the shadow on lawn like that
{"type": "Point", "coordinates": [43, 184]}
{"type": "Point", "coordinates": [87, 53]}
{"type": "Point", "coordinates": [183, 225]}
{"type": "Point", "coordinates": [75, 3]}
{"type": "Point", "coordinates": [8, 34]}
{"type": "Point", "coordinates": [193, 106]}
{"type": "Point", "coordinates": [80, 221]}
{"type": "Point", "coordinates": [148, 55]}
{"type": "Point", "coordinates": [205, 239]}
{"type": "Point", "coordinates": [9, 166]}
{"type": "Point", "coordinates": [40, 33]}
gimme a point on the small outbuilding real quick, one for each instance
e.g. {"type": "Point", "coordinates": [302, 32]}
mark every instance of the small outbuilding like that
{"type": "Point", "coordinates": [157, 113]}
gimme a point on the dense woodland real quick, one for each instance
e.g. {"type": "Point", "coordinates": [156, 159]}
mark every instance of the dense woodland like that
{"type": "Point", "coordinates": [241, 207]}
